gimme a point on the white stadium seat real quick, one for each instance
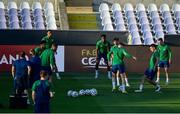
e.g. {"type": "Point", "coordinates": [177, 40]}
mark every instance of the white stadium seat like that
{"type": "Point", "coordinates": [36, 5]}
{"type": "Point", "coordinates": [128, 7]}
{"type": "Point", "coordinates": [140, 7]}
{"type": "Point", "coordinates": [116, 7]}
{"type": "Point", "coordinates": [103, 6]}
{"type": "Point", "coordinates": [164, 7]}
{"type": "Point", "coordinates": [152, 7]}
{"type": "Point", "coordinates": [104, 14]}
{"type": "Point", "coordinates": [2, 5]}
{"type": "Point", "coordinates": [24, 5]}
{"type": "Point", "coordinates": [12, 5]}
{"type": "Point", "coordinates": [108, 27]}
{"type": "Point", "coordinates": [48, 5]}
{"type": "Point", "coordinates": [51, 26]}
{"type": "Point", "coordinates": [105, 21]}
{"type": "Point", "coordinates": [176, 7]}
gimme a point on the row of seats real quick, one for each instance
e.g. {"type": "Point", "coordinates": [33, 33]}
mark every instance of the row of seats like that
{"type": "Point", "coordinates": [36, 17]}
{"type": "Point", "coordinates": [145, 25]}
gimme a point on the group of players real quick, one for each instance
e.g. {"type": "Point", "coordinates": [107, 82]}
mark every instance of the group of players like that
{"type": "Point", "coordinates": [114, 57]}
{"type": "Point", "coordinates": [37, 73]}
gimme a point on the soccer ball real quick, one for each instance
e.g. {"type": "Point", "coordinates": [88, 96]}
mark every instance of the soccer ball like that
{"type": "Point", "coordinates": [87, 92]}
{"type": "Point", "coordinates": [82, 92]}
{"type": "Point", "coordinates": [69, 93]}
{"type": "Point", "coordinates": [75, 94]}
{"type": "Point", "coordinates": [93, 92]}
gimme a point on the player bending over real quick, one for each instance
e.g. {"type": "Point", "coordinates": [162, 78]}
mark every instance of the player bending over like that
{"type": "Point", "coordinates": [118, 65]}
{"type": "Point", "coordinates": [102, 49]}
{"type": "Point", "coordinates": [165, 56]}
{"type": "Point", "coordinates": [48, 61]}
{"type": "Point", "coordinates": [151, 70]}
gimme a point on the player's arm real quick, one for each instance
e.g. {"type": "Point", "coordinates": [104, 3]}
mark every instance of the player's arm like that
{"type": "Point", "coordinates": [128, 55]}
{"type": "Point", "coordinates": [13, 71]}
{"type": "Point", "coordinates": [33, 96]}
{"type": "Point", "coordinates": [109, 56]}
{"type": "Point", "coordinates": [52, 61]}
{"type": "Point", "coordinates": [29, 70]}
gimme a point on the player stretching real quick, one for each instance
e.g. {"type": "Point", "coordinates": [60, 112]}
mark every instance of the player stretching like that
{"type": "Point", "coordinates": [151, 71]}
{"type": "Point", "coordinates": [165, 56]}
{"type": "Point", "coordinates": [102, 49]}
{"type": "Point", "coordinates": [118, 65]}
{"type": "Point", "coordinates": [40, 49]}
{"type": "Point", "coordinates": [48, 61]}
{"type": "Point", "coordinates": [48, 39]}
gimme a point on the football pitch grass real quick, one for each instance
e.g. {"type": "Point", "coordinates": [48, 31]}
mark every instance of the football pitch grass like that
{"type": "Point", "coordinates": [168, 100]}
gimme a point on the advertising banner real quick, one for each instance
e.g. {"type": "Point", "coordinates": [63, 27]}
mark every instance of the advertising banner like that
{"type": "Point", "coordinates": [82, 59]}
{"type": "Point", "coordinates": [9, 53]}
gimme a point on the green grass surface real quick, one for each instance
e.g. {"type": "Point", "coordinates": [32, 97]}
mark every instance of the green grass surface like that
{"type": "Point", "coordinates": [106, 101]}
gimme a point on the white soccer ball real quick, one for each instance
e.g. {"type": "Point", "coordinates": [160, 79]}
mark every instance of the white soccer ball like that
{"type": "Point", "coordinates": [75, 94]}
{"type": "Point", "coordinates": [87, 92]}
{"type": "Point", "coordinates": [82, 92]}
{"type": "Point", "coordinates": [93, 92]}
{"type": "Point", "coordinates": [69, 93]}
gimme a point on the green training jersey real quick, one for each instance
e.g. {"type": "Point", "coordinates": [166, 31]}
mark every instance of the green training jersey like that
{"type": "Point", "coordinates": [38, 51]}
{"type": "Point", "coordinates": [49, 41]}
{"type": "Point", "coordinates": [153, 60]}
{"type": "Point", "coordinates": [164, 52]}
{"type": "Point", "coordinates": [47, 57]}
{"type": "Point", "coordinates": [118, 55]}
{"type": "Point", "coordinates": [38, 82]}
{"type": "Point", "coordinates": [102, 47]}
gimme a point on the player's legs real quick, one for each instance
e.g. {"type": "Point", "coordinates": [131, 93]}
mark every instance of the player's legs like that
{"type": "Point", "coordinates": [123, 87]}
{"type": "Point", "coordinates": [97, 67]}
{"type": "Point", "coordinates": [126, 81]}
{"type": "Point", "coordinates": [167, 75]}
{"type": "Point", "coordinates": [114, 72]}
{"type": "Point", "coordinates": [141, 84]}
{"type": "Point", "coordinates": [117, 78]}
{"type": "Point", "coordinates": [158, 74]}
{"type": "Point", "coordinates": [108, 66]}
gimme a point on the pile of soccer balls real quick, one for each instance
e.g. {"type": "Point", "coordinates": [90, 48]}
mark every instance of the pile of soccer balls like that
{"type": "Point", "coordinates": [82, 92]}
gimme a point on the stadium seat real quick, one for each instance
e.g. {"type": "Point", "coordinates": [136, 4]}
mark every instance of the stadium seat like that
{"type": "Point", "coordinates": [136, 41]}
{"type": "Point", "coordinates": [2, 18]}
{"type": "Point", "coordinates": [130, 14]}
{"type": "Point", "coordinates": [148, 41]}
{"type": "Point", "coordinates": [38, 19]}
{"type": "Point", "coordinates": [164, 7]}
{"type": "Point", "coordinates": [156, 20]}
{"type": "Point", "coordinates": [118, 21]}
{"type": "Point", "coordinates": [50, 19]}
{"type": "Point", "coordinates": [3, 25]}
{"type": "Point", "coordinates": [177, 14]}
{"type": "Point", "coordinates": [14, 25]}
{"type": "Point", "coordinates": [13, 18]}
{"type": "Point", "coordinates": [36, 5]}
{"type": "Point", "coordinates": [159, 34]}
{"type": "Point", "coordinates": [48, 6]}
{"type": "Point", "coordinates": [27, 25]}
{"type": "Point", "coordinates": [2, 5]}
{"type": "Point", "coordinates": [166, 14]}
{"type": "Point", "coordinates": [39, 26]}
{"type": "Point", "coordinates": [175, 7]}
{"type": "Point", "coordinates": [128, 7]}
{"type": "Point", "coordinates": [38, 12]}
{"type": "Point", "coordinates": [144, 20]}
{"type": "Point", "coordinates": [133, 27]}
{"type": "Point", "coordinates": [140, 7]}
{"type": "Point", "coordinates": [170, 29]}
{"type": "Point", "coordinates": [12, 11]}
{"type": "Point", "coordinates": [147, 35]}
{"type": "Point", "coordinates": [154, 14]}
{"type": "Point", "coordinates": [108, 27]}
{"type": "Point", "coordinates": [12, 5]}
{"type": "Point", "coordinates": [157, 28]}
{"type": "Point", "coordinates": [49, 13]}
{"type": "Point", "coordinates": [105, 21]}
{"type": "Point", "coordinates": [51, 26]}
{"type": "Point", "coordinates": [145, 28]}
{"type": "Point", "coordinates": [141, 14]}
{"type": "Point", "coordinates": [103, 7]}
{"type": "Point", "coordinates": [152, 7]}
{"type": "Point", "coordinates": [2, 12]}
{"type": "Point", "coordinates": [26, 18]}
{"type": "Point", "coordinates": [131, 20]}
{"type": "Point", "coordinates": [120, 27]}
{"type": "Point", "coordinates": [104, 14]}
{"type": "Point", "coordinates": [135, 35]}
{"type": "Point", "coordinates": [117, 14]}
{"type": "Point", "coordinates": [168, 21]}
{"type": "Point", "coordinates": [25, 12]}
{"type": "Point", "coordinates": [24, 5]}
{"type": "Point", "coordinates": [116, 7]}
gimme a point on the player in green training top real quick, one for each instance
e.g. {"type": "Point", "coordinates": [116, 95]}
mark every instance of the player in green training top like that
{"type": "Point", "coordinates": [165, 56]}
{"type": "Point", "coordinates": [48, 39]}
{"type": "Point", "coordinates": [48, 60]}
{"type": "Point", "coordinates": [40, 49]}
{"type": "Point", "coordinates": [117, 55]}
{"type": "Point", "coordinates": [102, 49]}
{"type": "Point", "coordinates": [151, 71]}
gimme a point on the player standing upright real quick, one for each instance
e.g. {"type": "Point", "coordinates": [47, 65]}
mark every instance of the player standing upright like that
{"type": "Point", "coordinates": [118, 65]}
{"type": "Point", "coordinates": [151, 71]}
{"type": "Point", "coordinates": [165, 56]}
{"type": "Point", "coordinates": [48, 39]}
{"type": "Point", "coordinates": [102, 49]}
